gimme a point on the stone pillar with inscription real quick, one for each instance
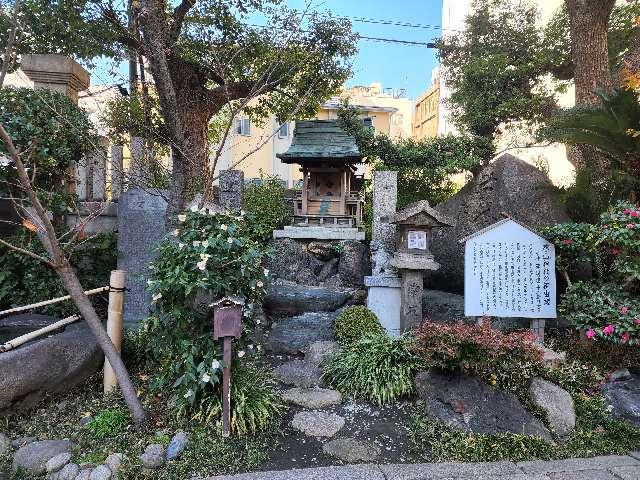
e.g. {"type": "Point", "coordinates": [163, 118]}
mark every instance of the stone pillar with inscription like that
{"type": "Point", "coordinates": [383, 286]}
{"type": "Point", "coordinates": [231, 184]}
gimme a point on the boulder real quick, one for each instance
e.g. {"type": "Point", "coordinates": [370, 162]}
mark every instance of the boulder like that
{"type": "Point", "coordinates": [317, 424]}
{"type": "Point", "coordinates": [299, 373]}
{"type": "Point", "coordinates": [33, 457]}
{"type": "Point", "coordinates": [114, 462]}
{"type": "Point", "coordinates": [508, 185]}
{"type": "Point", "coordinates": [322, 250]}
{"type": "Point", "coordinates": [101, 472]}
{"type": "Point", "coordinates": [177, 445]}
{"type": "Point", "coordinates": [290, 261]}
{"type": "Point", "coordinates": [624, 398]}
{"type": "Point", "coordinates": [56, 463]}
{"type": "Point", "coordinates": [293, 335]}
{"type": "Point", "coordinates": [51, 364]}
{"type": "Point", "coordinates": [312, 397]}
{"type": "Point", "coordinates": [292, 299]}
{"type": "Point", "coordinates": [351, 450]}
{"type": "Point", "coordinates": [556, 403]}
{"type": "Point", "coordinates": [355, 263]}
{"type": "Point", "coordinates": [153, 456]}
{"type": "Point", "coordinates": [468, 404]}
{"type": "Point", "coordinates": [69, 472]}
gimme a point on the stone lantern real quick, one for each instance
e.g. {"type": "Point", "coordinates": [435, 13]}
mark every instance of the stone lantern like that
{"type": "Point", "coordinates": [413, 255]}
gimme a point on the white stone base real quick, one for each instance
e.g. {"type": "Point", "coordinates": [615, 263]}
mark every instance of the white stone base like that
{"type": "Point", "coordinates": [320, 233]}
{"type": "Point", "coordinates": [384, 299]}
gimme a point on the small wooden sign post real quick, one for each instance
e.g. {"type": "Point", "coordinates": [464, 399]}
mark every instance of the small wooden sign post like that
{"type": "Point", "coordinates": [227, 324]}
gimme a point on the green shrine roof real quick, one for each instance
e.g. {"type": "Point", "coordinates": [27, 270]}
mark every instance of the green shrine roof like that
{"type": "Point", "coordinates": [321, 141]}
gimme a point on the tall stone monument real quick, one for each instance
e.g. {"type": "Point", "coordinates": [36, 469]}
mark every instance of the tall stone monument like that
{"type": "Point", "coordinates": [231, 184]}
{"type": "Point", "coordinates": [56, 72]}
{"type": "Point", "coordinates": [141, 225]}
{"type": "Point", "coordinates": [384, 286]}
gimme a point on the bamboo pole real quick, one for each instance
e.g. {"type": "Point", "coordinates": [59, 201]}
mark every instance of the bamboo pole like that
{"type": "Point", "coordinates": [50, 302]}
{"type": "Point", "coordinates": [114, 324]}
{"type": "Point", "coordinates": [16, 342]}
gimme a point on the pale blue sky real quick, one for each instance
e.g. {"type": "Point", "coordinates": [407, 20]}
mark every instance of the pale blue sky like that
{"type": "Point", "coordinates": [394, 65]}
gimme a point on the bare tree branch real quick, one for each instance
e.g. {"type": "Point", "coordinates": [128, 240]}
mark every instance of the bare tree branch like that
{"type": "Point", "coordinates": [31, 254]}
{"type": "Point", "coordinates": [178, 18]}
{"type": "Point", "coordinates": [7, 60]}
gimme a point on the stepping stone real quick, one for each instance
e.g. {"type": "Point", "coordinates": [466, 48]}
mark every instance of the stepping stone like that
{"type": "Point", "coordinates": [317, 424]}
{"type": "Point", "coordinates": [321, 351]}
{"type": "Point", "coordinates": [312, 397]}
{"type": "Point", "coordinates": [33, 457]}
{"type": "Point", "coordinates": [292, 299]}
{"type": "Point", "coordinates": [299, 373]}
{"type": "Point", "coordinates": [351, 450]}
{"type": "Point", "coordinates": [292, 335]}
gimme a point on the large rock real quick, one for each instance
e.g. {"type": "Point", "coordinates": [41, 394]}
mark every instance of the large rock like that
{"type": "Point", "coordinates": [51, 364]}
{"type": "Point", "coordinates": [321, 351]}
{"type": "Point", "coordinates": [468, 404]}
{"type": "Point", "coordinates": [291, 299]}
{"type": "Point", "coordinates": [556, 403]}
{"type": "Point", "coordinates": [354, 263]}
{"type": "Point", "coordinates": [624, 396]}
{"type": "Point", "coordinates": [299, 373]}
{"type": "Point", "coordinates": [312, 397]}
{"type": "Point", "coordinates": [351, 450]}
{"type": "Point", "coordinates": [508, 185]}
{"type": "Point", "coordinates": [290, 261]}
{"type": "Point", "coordinates": [293, 335]}
{"type": "Point", "coordinates": [33, 457]}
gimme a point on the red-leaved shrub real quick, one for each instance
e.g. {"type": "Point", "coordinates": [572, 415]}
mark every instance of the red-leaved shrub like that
{"type": "Point", "coordinates": [506, 359]}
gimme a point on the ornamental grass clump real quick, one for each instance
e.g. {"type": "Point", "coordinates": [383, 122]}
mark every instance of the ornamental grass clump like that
{"type": "Point", "coordinates": [507, 360]}
{"type": "Point", "coordinates": [375, 367]}
{"type": "Point", "coordinates": [354, 323]}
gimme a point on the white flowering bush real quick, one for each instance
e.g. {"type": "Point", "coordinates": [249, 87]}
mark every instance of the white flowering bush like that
{"type": "Point", "coordinates": [207, 252]}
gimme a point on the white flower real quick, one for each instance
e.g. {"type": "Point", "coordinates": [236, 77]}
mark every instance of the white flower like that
{"type": "Point", "coordinates": [250, 347]}
{"type": "Point", "coordinates": [189, 394]}
{"type": "Point", "coordinates": [180, 245]}
{"type": "Point", "coordinates": [241, 212]}
{"type": "Point", "coordinates": [241, 353]}
{"type": "Point", "coordinates": [202, 265]}
{"type": "Point", "coordinates": [149, 282]}
{"type": "Point", "coordinates": [609, 408]}
{"type": "Point", "coordinates": [182, 218]}
{"type": "Point", "coordinates": [156, 297]}
{"type": "Point", "coordinates": [259, 284]}
{"type": "Point", "coordinates": [205, 243]}
{"type": "Point", "coordinates": [194, 208]}
{"type": "Point", "coordinates": [223, 227]}
{"type": "Point", "coordinates": [175, 232]}
{"type": "Point", "coordinates": [205, 256]}
{"type": "Point", "coordinates": [206, 378]}
{"type": "Point", "coordinates": [258, 321]}
{"type": "Point", "coordinates": [229, 240]}
{"type": "Point", "coordinates": [266, 272]}
{"type": "Point", "coordinates": [259, 347]}
{"type": "Point", "coordinates": [196, 243]}
{"type": "Point", "coordinates": [215, 365]}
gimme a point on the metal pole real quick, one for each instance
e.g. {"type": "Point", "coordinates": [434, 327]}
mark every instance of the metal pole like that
{"type": "Point", "coordinates": [114, 323]}
{"type": "Point", "coordinates": [226, 389]}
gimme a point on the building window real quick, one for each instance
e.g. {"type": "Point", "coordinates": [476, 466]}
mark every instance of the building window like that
{"type": "Point", "coordinates": [243, 126]}
{"type": "Point", "coordinates": [283, 132]}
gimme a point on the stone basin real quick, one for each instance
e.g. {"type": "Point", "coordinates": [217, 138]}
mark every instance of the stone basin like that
{"type": "Point", "coordinates": [49, 364]}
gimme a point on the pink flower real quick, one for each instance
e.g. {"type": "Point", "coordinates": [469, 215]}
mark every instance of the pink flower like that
{"type": "Point", "coordinates": [591, 333]}
{"type": "Point", "coordinates": [636, 321]}
{"type": "Point", "coordinates": [616, 251]}
{"type": "Point", "coordinates": [625, 337]}
{"type": "Point", "coordinates": [624, 310]}
{"type": "Point", "coordinates": [626, 211]}
{"type": "Point", "coordinates": [605, 226]}
{"type": "Point", "coordinates": [631, 225]}
{"type": "Point", "coordinates": [608, 330]}
{"type": "Point", "coordinates": [567, 241]}
{"type": "Point", "coordinates": [633, 213]}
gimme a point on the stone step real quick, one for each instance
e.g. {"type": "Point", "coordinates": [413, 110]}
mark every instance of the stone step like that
{"type": "Point", "coordinates": [293, 335]}
{"type": "Point", "coordinates": [317, 424]}
{"type": "Point", "coordinates": [299, 373]}
{"type": "Point", "coordinates": [312, 397]}
{"type": "Point", "coordinates": [351, 450]}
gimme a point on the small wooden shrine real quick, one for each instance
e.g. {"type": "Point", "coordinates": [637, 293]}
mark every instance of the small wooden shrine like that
{"type": "Point", "coordinates": [330, 196]}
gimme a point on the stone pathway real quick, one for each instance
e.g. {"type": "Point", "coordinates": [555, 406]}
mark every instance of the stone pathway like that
{"type": "Point", "coordinates": [614, 467]}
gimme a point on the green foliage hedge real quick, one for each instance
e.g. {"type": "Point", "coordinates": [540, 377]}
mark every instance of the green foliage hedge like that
{"type": "Point", "coordinates": [266, 201]}
{"type": "Point", "coordinates": [355, 322]}
{"type": "Point", "coordinates": [375, 367]}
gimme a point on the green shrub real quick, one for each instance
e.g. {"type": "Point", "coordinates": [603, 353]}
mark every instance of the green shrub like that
{"type": "Point", "coordinates": [211, 253]}
{"type": "Point", "coordinates": [507, 360]}
{"type": "Point", "coordinates": [24, 280]}
{"type": "Point", "coordinates": [109, 422]}
{"type": "Point", "coordinates": [375, 367]}
{"type": "Point", "coordinates": [355, 322]}
{"type": "Point", "coordinates": [575, 377]}
{"type": "Point", "coordinates": [266, 201]}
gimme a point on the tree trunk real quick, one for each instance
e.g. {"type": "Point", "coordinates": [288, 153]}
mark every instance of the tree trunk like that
{"type": "Point", "coordinates": [589, 22]}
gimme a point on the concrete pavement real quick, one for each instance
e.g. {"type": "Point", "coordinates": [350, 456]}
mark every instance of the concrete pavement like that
{"type": "Point", "coordinates": [612, 467]}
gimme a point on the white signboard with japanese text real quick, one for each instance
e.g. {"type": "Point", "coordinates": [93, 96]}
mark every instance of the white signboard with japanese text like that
{"type": "Point", "coordinates": [417, 240]}
{"type": "Point", "coordinates": [509, 271]}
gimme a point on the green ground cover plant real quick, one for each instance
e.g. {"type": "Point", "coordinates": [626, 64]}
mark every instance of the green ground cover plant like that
{"type": "Point", "coordinates": [375, 367]}
{"type": "Point", "coordinates": [265, 200]}
{"type": "Point", "coordinates": [355, 322]}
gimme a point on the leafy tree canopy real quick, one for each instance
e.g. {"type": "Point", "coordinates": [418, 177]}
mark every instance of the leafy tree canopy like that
{"type": "Point", "coordinates": [499, 68]}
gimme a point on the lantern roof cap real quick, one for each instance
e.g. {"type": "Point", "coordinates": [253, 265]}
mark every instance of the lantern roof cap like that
{"type": "Point", "coordinates": [418, 213]}
{"type": "Point", "coordinates": [322, 141]}
{"type": "Point", "coordinates": [231, 300]}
